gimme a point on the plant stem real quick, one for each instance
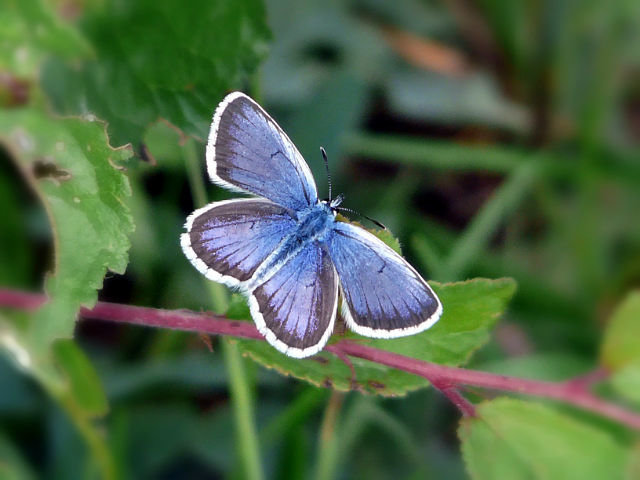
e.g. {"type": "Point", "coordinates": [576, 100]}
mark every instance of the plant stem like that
{"type": "Point", "coordinates": [90, 434]}
{"type": "Point", "coordinates": [240, 385]}
{"type": "Point", "coordinates": [295, 414]}
{"type": "Point", "coordinates": [478, 234]}
{"type": "Point", "coordinates": [194, 173]}
{"type": "Point", "coordinates": [327, 458]}
{"type": "Point", "coordinates": [567, 391]}
{"type": "Point", "coordinates": [247, 439]}
{"type": "Point", "coordinates": [453, 394]}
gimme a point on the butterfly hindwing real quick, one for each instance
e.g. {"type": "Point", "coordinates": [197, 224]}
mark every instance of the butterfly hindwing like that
{"type": "Point", "coordinates": [249, 152]}
{"type": "Point", "coordinates": [227, 241]}
{"type": "Point", "coordinates": [295, 309]}
{"type": "Point", "coordinates": [383, 296]}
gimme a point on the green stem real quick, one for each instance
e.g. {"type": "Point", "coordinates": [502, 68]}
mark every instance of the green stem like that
{"type": "Point", "coordinates": [96, 443]}
{"type": "Point", "coordinates": [243, 412]}
{"type": "Point", "coordinates": [479, 232]}
{"type": "Point", "coordinates": [295, 414]}
{"type": "Point", "coordinates": [435, 154]}
{"type": "Point", "coordinates": [327, 457]}
{"type": "Point", "coordinates": [239, 383]}
{"type": "Point", "coordinates": [428, 255]}
{"type": "Point", "coordinates": [194, 173]}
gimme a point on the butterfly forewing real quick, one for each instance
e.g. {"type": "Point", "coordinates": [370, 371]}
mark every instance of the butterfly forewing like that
{"type": "Point", "coordinates": [227, 241]}
{"type": "Point", "coordinates": [383, 296]}
{"type": "Point", "coordinates": [248, 151]}
{"type": "Point", "coordinates": [295, 308]}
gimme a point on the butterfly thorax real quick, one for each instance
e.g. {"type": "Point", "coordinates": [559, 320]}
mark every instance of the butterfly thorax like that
{"type": "Point", "coordinates": [315, 222]}
{"type": "Point", "coordinates": [314, 225]}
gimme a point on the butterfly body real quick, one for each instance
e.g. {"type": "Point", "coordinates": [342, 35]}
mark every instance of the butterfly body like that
{"type": "Point", "coordinates": [313, 226]}
{"type": "Point", "coordinates": [316, 222]}
{"type": "Point", "coordinates": [286, 251]}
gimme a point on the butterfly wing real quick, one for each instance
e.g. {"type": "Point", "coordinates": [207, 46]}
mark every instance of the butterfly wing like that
{"type": "Point", "coordinates": [247, 151]}
{"type": "Point", "coordinates": [227, 241]}
{"type": "Point", "coordinates": [383, 296]}
{"type": "Point", "coordinates": [295, 309]}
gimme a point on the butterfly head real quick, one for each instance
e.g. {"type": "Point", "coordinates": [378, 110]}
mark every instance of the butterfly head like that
{"type": "Point", "coordinates": [332, 205]}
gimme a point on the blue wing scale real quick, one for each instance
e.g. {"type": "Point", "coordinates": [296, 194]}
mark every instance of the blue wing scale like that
{"type": "Point", "coordinates": [247, 151]}
{"type": "Point", "coordinates": [227, 241]}
{"type": "Point", "coordinates": [285, 251]}
{"type": "Point", "coordinates": [382, 295]}
{"type": "Point", "coordinates": [295, 309]}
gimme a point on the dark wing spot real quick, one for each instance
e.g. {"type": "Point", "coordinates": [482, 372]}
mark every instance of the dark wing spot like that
{"type": "Point", "coordinates": [278, 152]}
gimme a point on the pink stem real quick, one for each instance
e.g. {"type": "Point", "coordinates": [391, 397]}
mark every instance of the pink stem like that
{"type": "Point", "coordinates": [453, 394]}
{"type": "Point", "coordinates": [447, 379]}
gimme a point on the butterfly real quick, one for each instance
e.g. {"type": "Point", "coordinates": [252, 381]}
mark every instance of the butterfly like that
{"type": "Point", "coordinates": [284, 249]}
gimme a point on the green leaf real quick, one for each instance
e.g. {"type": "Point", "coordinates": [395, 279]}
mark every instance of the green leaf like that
{"type": "Point", "coordinates": [75, 172]}
{"type": "Point", "coordinates": [30, 31]}
{"type": "Point", "coordinates": [471, 308]}
{"type": "Point", "coordinates": [548, 366]}
{"type": "Point", "coordinates": [64, 385]}
{"type": "Point", "coordinates": [626, 381]}
{"type": "Point", "coordinates": [84, 383]}
{"type": "Point", "coordinates": [621, 343]}
{"type": "Point", "coordinates": [159, 59]}
{"type": "Point", "coordinates": [520, 440]}
{"type": "Point", "coordinates": [465, 100]}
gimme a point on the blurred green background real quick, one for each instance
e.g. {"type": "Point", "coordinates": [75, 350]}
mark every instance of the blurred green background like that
{"type": "Point", "coordinates": [493, 138]}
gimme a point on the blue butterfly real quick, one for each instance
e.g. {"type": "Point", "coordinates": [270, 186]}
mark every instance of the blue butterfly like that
{"type": "Point", "coordinates": [285, 250]}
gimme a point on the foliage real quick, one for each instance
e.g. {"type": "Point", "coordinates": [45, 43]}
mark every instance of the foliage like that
{"type": "Point", "coordinates": [496, 141]}
{"type": "Point", "coordinates": [534, 441]}
{"type": "Point", "coordinates": [473, 307]}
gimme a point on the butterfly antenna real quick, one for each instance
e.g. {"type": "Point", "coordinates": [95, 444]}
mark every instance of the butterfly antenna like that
{"type": "Point", "coordinates": [343, 209]}
{"type": "Point", "coordinates": [326, 166]}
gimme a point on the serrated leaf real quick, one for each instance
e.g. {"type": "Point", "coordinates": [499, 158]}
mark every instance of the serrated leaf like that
{"type": "Point", "coordinates": [621, 343]}
{"type": "Point", "coordinates": [75, 172]}
{"type": "Point", "coordinates": [155, 60]}
{"type": "Point", "coordinates": [520, 440]}
{"type": "Point", "coordinates": [471, 308]}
